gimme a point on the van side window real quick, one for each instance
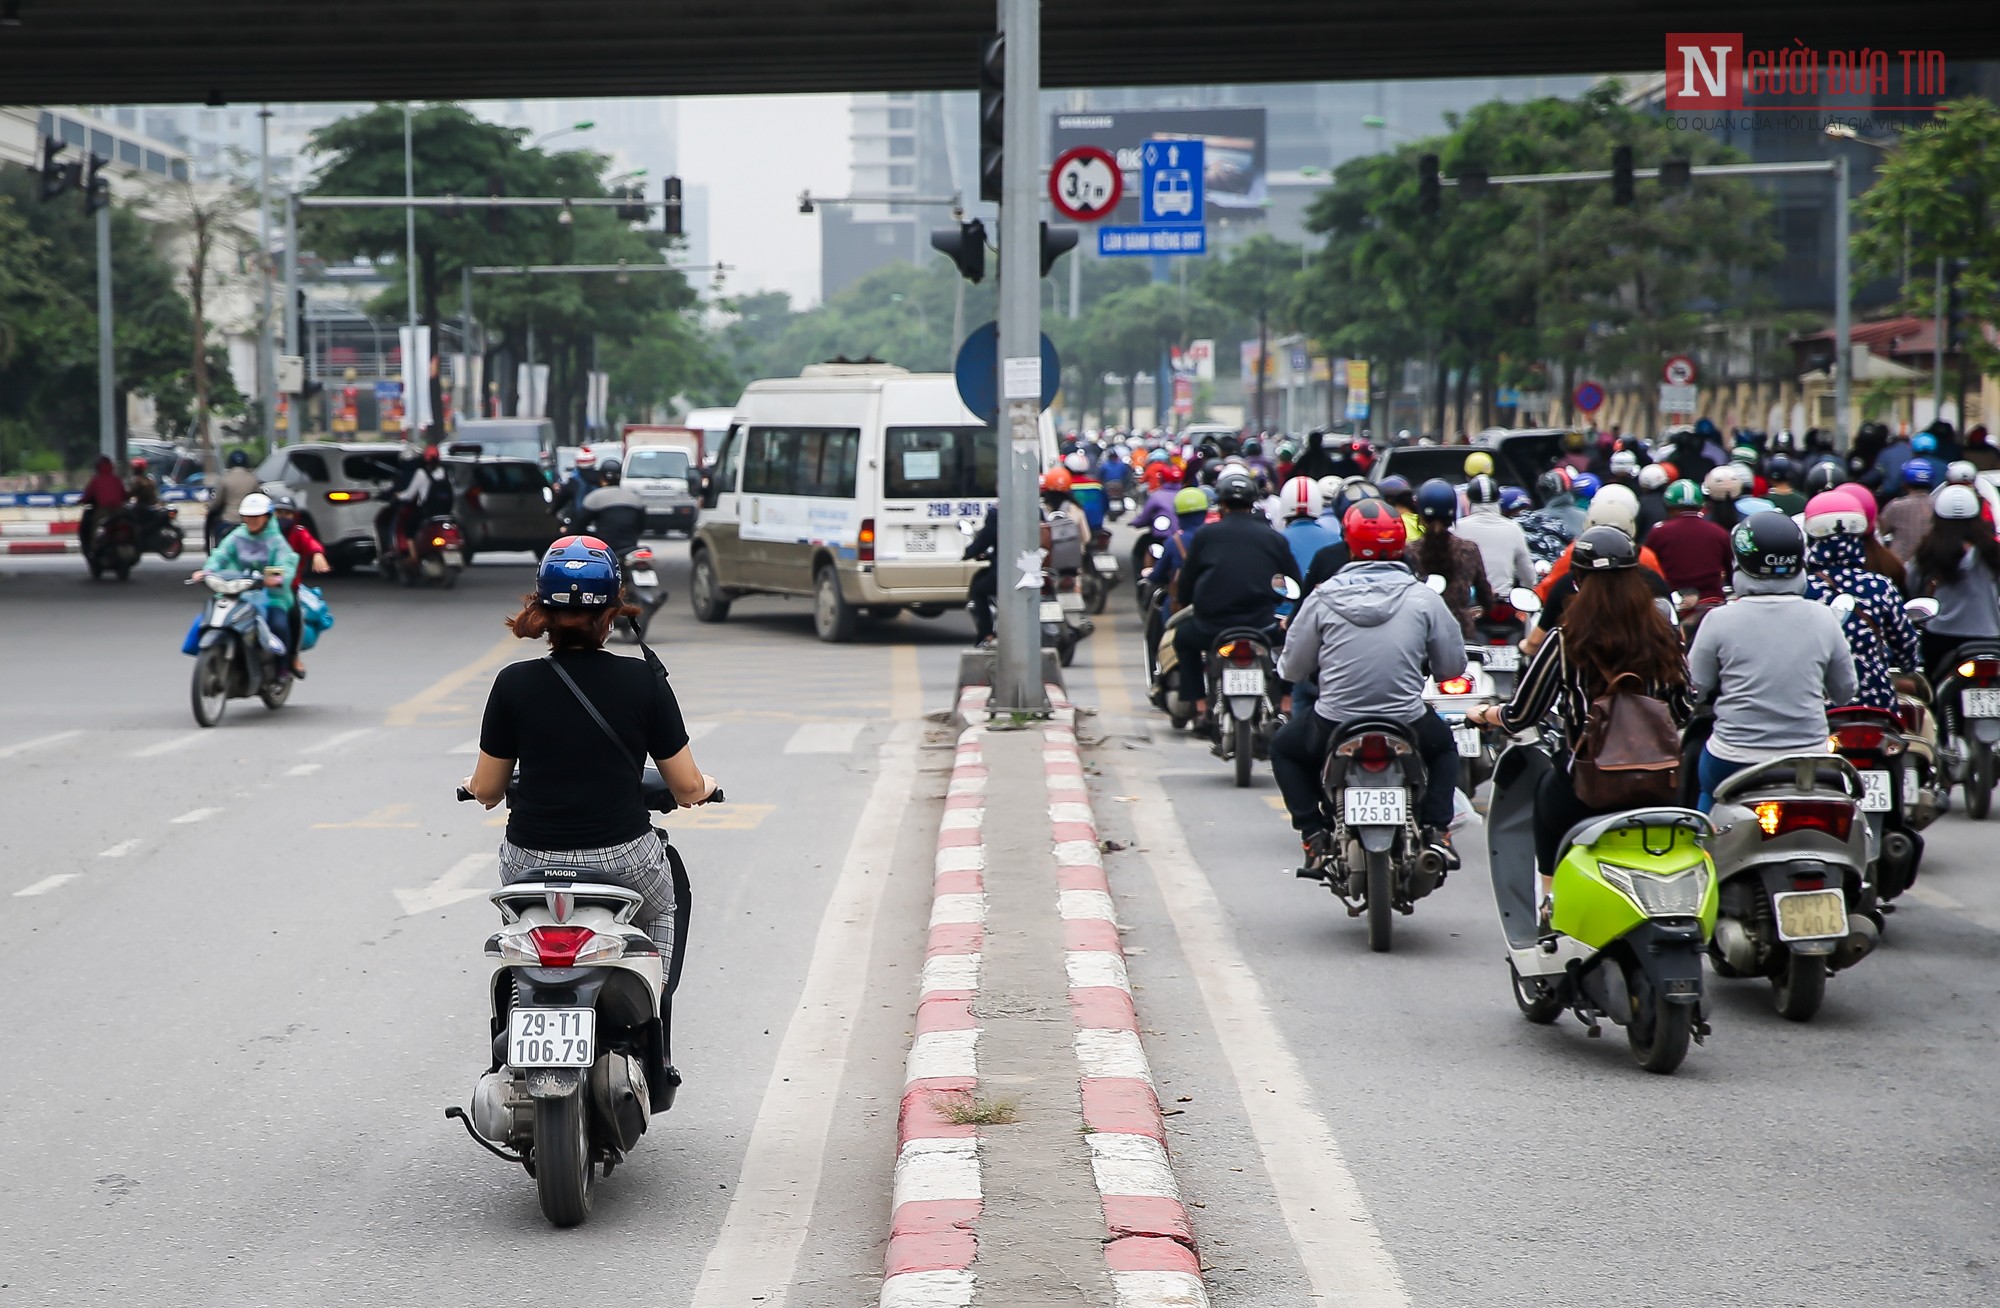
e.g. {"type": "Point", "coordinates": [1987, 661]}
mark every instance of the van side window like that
{"type": "Point", "coordinates": [827, 463]}
{"type": "Point", "coordinates": [771, 464]}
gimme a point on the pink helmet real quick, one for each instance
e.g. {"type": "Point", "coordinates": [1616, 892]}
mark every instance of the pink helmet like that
{"type": "Point", "coordinates": [1831, 513]}
{"type": "Point", "coordinates": [1861, 495]}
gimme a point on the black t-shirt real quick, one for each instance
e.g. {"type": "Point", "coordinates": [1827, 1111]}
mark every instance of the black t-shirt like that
{"type": "Point", "coordinates": [577, 790]}
{"type": "Point", "coordinates": [1230, 564]}
{"type": "Point", "coordinates": [1565, 590]}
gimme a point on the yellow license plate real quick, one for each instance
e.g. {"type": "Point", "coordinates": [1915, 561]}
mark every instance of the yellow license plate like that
{"type": "Point", "coordinates": [1810, 914]}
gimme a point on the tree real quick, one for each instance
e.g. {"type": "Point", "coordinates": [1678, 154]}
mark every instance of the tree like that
{"type": "Point", "coordinates": [1933, 199]}
{"type": "Point", "coordinates": [1258, 279]}
{"type": "Point", "coordinates": [1129, 332]}
{"type": "Point", "coordinates": [204, 217]}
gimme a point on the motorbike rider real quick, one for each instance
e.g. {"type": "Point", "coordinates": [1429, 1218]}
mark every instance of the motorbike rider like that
{"type": "Point", "coordinates": [1652, 481]}
{"type": "Point", "coordinates": [1616, 629]}
{"type": "Point", "coordinates": [1613, 506]}
{"type": "Point", "coordinates": [311, 554]}
{"type": "Point", "coordinates": [1068, 528]}
{"type": "Point", "coordinates": [428, 494]}
{"type": "Point", "coordinates": [1502, 545]}
{"type": "Point", "coordinates": [1958, 564]}
{"type": "Point", "coordinates": [1227, 579]}
{"type": "Point", "coordinates": [140, 488]}
{"type": "Point", "coordinates": [103, 495]}
{"type": "Point", "coordinates": [257, 544]}
{"type": "Point", "coordinates": [1778, 472]}
{"type": "Point", "coordinates": [1306, 533]}
{"type": "Point", "coordinates": [614, 512]}
{"type": "Point", "coordinates": [1877, 557]}
{"type": "Point", "coordinates": [1314, 461]}
{"type": "Point", "coordinates": [1115, 472]}
{"type": "Point", "coordinates": [582, 481]}
{"type": "Point", "coordinates": [1403, 498]}
{"type": "Point", "coordinates": [1085, 491]}
{"type": "Point", "coordinates": [1906, 519]}
{"type": "Point", "coordinates": [1439, 552]}
{"type": "Point", "coordinates": [1367, 637]}
{"type": "Point", "coordinates": [1879, 634]}
{"type": "Point", "coordinates": [982, 592]}
{"type": "Point", "coordinates": [1693, 552]}
{"type": "Point", "coordinates": [1772, 658]}
{"type": "Point", "coordinates": [1720, 489]}
{"type": "Point", "coordinates": [578, 804]}
{"type": "Point", "coordinates": [237, 481]}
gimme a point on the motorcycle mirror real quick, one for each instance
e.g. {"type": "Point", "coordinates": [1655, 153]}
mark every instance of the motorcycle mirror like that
{"type": "Point", "coordinates": [1163, 523]}
{"type": "Point", "coordinates": [1524, 600]}
{"type": "Point", "coordinates": [1285, 586]}
{"type": "Point", "coordinates": [1921, 611]}
{"type": "Point", "coordinates": [1157, 551]}
{"type": "Point", "coordinates": [1129, 506]}
{"type": "Point", "coordinates": [548, 495]}
{"type": "Point", "coordinates": [1843, 604]}
{"type": "Point", "coordinates": [1435, 582]}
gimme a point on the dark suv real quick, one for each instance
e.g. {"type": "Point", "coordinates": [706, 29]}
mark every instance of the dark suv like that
{"type": "Point", "coordinates": [503, 504]}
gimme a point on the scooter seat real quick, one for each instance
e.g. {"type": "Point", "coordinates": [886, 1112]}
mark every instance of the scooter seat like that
{"type": "Point", "coordinates": [1793, 773]}
{"type": "Point", "coordinates": [1591, 830]}
{"type": "Point", "coordinates": [1389, 726]}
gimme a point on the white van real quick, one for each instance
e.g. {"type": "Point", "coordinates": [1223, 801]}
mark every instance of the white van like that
{"type": "Point", "coordinates": [847, 483]}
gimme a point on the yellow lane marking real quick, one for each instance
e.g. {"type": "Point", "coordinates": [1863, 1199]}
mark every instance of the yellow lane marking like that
{"type": "Point", "coordinates": [381, 819]}
{"type": "Point", "coordinates": [906, 691]}
{"type": "Point", "coordinates": [1114, 695]}
{"type": "Point", "coordinates": [723, 817]}
{"type": "Point", "coordinates": [1276, 801]}
{"type": "Point", "coordinates": [436, 701]}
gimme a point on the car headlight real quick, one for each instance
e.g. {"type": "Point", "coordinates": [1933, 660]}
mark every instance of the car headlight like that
{"type": "Point", "coordinates": [1676, 894]}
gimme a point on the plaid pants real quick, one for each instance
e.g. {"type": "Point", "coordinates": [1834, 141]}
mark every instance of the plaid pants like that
{"type": "Point", "coordinates": [639, 865]}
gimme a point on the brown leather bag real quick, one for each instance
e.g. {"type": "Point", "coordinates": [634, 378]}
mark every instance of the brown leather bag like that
{"type": "Point", "coordinates": [1630, 752]}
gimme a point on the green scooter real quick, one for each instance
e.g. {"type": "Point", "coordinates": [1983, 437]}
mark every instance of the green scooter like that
{"type": "Point", "coordinates": [1634, 907]}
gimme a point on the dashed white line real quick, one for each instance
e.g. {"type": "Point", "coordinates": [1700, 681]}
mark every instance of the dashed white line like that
{"type": "Point", "coordinates": [121, 849]}
{"type": "Point", "coordinates": [169, 746]}
{"type": "Point", "coordinates": [469, 747]}
{"type": "Point", "coordinates": [23, 746]}
{"type": "Point", "coordinates": [696, 730]}
{"type": "Point", "coordinates": [1936, 898]}
{"type": "Point", "coordinates": [194, 815]}
{"type": "Point", "coordinates": [302, 770]}
{"type": "Point", "coordinates": [335, 742]}
{"type": "Point", "coordinates": [46, 884]}
{"type": "Point", "coordinates": [824, 738]}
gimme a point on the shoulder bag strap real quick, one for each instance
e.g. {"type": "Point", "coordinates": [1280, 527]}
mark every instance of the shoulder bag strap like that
{"type": "Point", "coordinates": [591, 709]}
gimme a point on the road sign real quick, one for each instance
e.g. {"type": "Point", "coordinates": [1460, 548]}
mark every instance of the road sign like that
{"type": "Point", "coordinates": [1357, 389]}
{"type": "Point", "coordinates": [1678, 399]}
{"type": "Point", "coordinates": [1170, 181]}
{"type": "Point", "coordinates": [1159, 238]}
{"type": "Point", "coordinates": [978, 367]}
{"type": "Point", "coordinates": [1085, 184]}
{"type": "Point", "coordinates": [1588, 397]}
{"type": "Point", "coordinates": [1678, 371]}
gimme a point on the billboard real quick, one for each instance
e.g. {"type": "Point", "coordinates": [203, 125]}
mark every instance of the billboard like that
{"type": "Point", "coordinates": [1233, 140]}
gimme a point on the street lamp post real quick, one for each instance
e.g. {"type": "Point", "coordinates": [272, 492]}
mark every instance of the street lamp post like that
{"type": "Point", "coordinates": [267, 378]}
{"type": "Point", "coordinates": [410, 266]}
{"type": "Point", "coordinates": [581, 126]}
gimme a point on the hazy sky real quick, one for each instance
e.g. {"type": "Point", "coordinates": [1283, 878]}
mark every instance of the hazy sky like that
{"type": "Point", "coordinates": [756, 153]}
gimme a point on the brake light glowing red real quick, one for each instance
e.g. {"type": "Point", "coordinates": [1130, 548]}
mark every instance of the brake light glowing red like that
{"type": "Point", "coordinates": [1455, 686]}
{"type": "Point", "coordinates": [559, 945]}
{"type": "Point", "coordinates": [1375, 755]}
{"type": "Point", "coordinates": [1808, 881]}
{"type": "Point", "coordinates": [864, 541]}
{"type": "Point", "coordinates": [1980, 669]}
{"type": "Point", "coordinates": [1242, 653]}
{"type": "Point", "coordinates": [642, 556]}
{"type": "Point", "coordinates": [1782, 817]}
{"type": "Point", "coordinates": [1864, 740]}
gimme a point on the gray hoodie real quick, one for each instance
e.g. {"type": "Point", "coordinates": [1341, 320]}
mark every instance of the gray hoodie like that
{"type": "Point", "coordinates": [1368, 630]}
{"type": "Point", "coordinates": [1779, 659]}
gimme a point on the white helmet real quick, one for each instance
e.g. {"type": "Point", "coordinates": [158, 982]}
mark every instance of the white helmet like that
{"type": "Point", "coordinates": [1077, 462]}
{"type": "Point", "coordinates": [1955, 502]}
{"type": "Point", "coordinates": [1652, 477]}
{"type": "Point", "coordinates": [1624, 463]}
{"type": "Point", "coordinates": [1302, 498]}
{"type": "Point", "coordinates": [1722, 483]}
{"type": "Point", "coordinates": [255, 505]}
{"type": "Point", "coordinates": [1960, 472]}
{"type": "Point", "coordinates": [1614, 506]}
{"type": "Point", "coordinates": [1331, 488]}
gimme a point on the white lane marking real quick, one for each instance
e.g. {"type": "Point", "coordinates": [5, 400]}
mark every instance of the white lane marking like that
{"type": "Point", "coordinates": [1131, 1164]}
{"type": "Point", "coordinates": [768, 1218]}
{"type": "Point", "coordinates": [1109, 1052]}
{"type": "Point", "coordinates": [943, 1053]}
{"type": "Point", "coordinates": [335, 742]}
{"type": "Point", "coordinates": [824, 738]}
{"type": "Point", "coordinates": [169, 746]}
{"type": "Point", "coordinates": [936, 1168]}
{"type": "Point", "coordinates": [1936, 898]}
{"type": "Point", "coordinates": [23, 746]}
{"type": "Point", "coordinates": [302, 770]}
{"type": "Point", "coordinates": [469, 747]}
{"type": "Point", "coordinates": [453, 885]}
{"type": "Point", "coordinates": [194, 815]}
{"type": "Point", "coordinates": [46, 884]}
{"type": "Point", "coordinates": [939, 1288]}
{"type": "Point", "coordinates": [121, 849]}
{"type": "Point", "coordinates": [1337, 1241]}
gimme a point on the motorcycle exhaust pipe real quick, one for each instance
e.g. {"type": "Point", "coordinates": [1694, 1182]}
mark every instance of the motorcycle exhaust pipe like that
{"type": "Point", "coordinates": [1738, 949]}
{"type": "Point", "coordinates": [1427, 874]}
{"type": "Point", "coordinates": [1859, 942]}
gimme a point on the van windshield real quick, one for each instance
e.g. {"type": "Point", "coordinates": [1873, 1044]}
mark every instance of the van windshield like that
{"type": "Point", "coordinates": [657, 463]}
{"type": "Point", "coordinates": [938, 463]}
{"type": "Point", "coordinates": [509, 440]}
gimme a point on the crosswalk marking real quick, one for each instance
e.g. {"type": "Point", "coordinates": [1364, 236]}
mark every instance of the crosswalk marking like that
{"type": "Point", "coordinates": [824, 738]}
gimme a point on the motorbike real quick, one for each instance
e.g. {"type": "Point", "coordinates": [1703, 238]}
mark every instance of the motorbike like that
{"type": "Point", "coordinates": [642, 590]}
{"type": "Point", "coordinates": [1633, 904]}
{"type": "Point", "coordinates": [1118, 505]}
{"type": "Point", "coordinates": [235, 653]}
{"type": "Point", "coordinates": [1490, 675]}
{"type": "Point", "coordinates": [1376, 861]}
{"type": "Point", "coordinates": [1099, 576]}
{"type": "Point", "coordinates": [1969, 696]}
{"type": "Point", "coordinates": [440, 551]}
{"type": "Point", "coordinates": [1873, 742]}
{"type": "Point", "coordinates": [1501, 629]}
{"type": "Point", "coordinates": [581, 1027]}
{"type": "Point", "coordinates": [1689, 609]}
{"type": "Point", "coordinates": [1795, 898]}
{"type": "Point", "coordinates": [1156, 533]}
{"type": "Point", "coordinates": [1244, 690]}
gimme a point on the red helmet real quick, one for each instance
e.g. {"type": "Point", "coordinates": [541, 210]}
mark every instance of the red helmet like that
{"type": "Point", "coordinates": [1057, 481]}
{"type": "Point", "coordinates": [1373, 529]}
{"type": "Point", "coordinates": [430, 454]}
{"type": "Point", "coordinates": [138, 465]}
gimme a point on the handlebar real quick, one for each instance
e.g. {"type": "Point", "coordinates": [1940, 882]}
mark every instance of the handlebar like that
{"type": "Point", "coordinates": [716, 797]}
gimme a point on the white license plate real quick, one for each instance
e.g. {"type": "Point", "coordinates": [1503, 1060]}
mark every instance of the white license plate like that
{"type": "Point", "coordinates": [1500, 658]}
{"type": "Point", "coordinates": [551, 1037]}
{"type": "Point", "coordinates": [1875, 796]}
{"type": "Point", "coordinates": [456, 559]}
{"type": "Point", "coordinates": [919, 540]}
{"type": "Point", "coordinates": [1387, 807]}
{"type": "Point", "coordinates": [1051, 611]}
{"type": "Point", "coordinates": [645, 577]}
{"type": "Point", "coordinates": [1242, 681]}
{"type": "Point", "coordinates": [1104, 563]}
{"type": "Point", "coordinates": [1468, 741]}
{"type": "Point", "coordinates": [1982, 703]}
{"type": "Point", "coordinates": [1810, 914]}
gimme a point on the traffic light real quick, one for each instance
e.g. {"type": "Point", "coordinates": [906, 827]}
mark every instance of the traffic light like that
{"type": "Point", "coordinates": [637, 211]}
{"type": "Point", "coordinates": [965, 246]}
{"type": "Point", "coordinates": [97, 187]}
{"type": "Point", "coordinates": [1621, 176]}
{"type": "Point", "coordinates": [1675, 174]}
{"type": "Point", "coordinates": [1429, 195]}
{"type": "Point", "coordinates": [56, 177]}
{"type": "Point", "coordinates": [1056, 242]}
{"type": "Point", "coordinates": [496, 217]}
{"type": "Point", "coordinates": [670, 206]}
{"type": "Point", "coordinates": [992, 116]}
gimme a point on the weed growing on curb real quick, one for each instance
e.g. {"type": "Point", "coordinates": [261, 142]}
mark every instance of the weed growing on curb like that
{"type": "Point", "coordinates": [964, 1109]}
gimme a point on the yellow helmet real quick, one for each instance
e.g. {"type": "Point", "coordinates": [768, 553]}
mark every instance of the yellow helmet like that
{"type": "Point", "coordinates": [1479, 463]}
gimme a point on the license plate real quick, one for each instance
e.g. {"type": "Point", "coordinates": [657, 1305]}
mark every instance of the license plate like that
{"type": "Point", "coordinates": [1051, 611]}
{"type": "Point", "coordinates": [551, 1037]}
{"type": "Point", "coordinates": [454, 558]}
{"type": "Point", "coordinates": [1104, 563]}
{"type": "Point", "coordinates": [645, 577]}
{"type": "Point", "coordinates": [1468, 741]}
{"type": "Point", "coordinates": [919, 540]}
{"type": "Point", "coordinates": [1242, 681]}
{"type": "Point", "coordinates": [1389, 807]}
{"type": "Point", "coordinates": [1875, 797]}
{"type": "Point", "coordinates": [1982, 703]}
{"type": "Point", "coordinates": [1810, 914]}
{"type": "Point", "coordinates": [1500, 658]}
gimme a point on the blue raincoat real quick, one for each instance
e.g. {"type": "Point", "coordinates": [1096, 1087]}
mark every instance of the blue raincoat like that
{"type": "Point", "coordinates": [1878, 631]}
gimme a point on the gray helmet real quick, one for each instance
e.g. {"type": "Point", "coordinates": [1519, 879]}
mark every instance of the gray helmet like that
{"type": "Point", "coordinates": [1236, 488]}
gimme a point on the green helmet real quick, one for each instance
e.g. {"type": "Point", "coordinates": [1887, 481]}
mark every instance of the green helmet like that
{"type": "Point", "coordinates": [1683, 494]}
{"type": "Point", "coordinates": [1191, 499]}
{"type": "Point", "coordinates": [1744, 454]}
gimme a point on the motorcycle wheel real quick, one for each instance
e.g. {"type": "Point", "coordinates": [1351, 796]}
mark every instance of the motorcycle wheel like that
{"type": "Point", "coordinates": [450, 578]}
{"type": "Point", "coordinates": [123, 571]}
{"type": "Point", "coordinates": [1381, 912]}
{"type": "Point", "coordinates": [1539, 1006]}
{"type": "Point", "coordinates": [1979, 785]}
{"type": "Point", "coordinates": [276, 693]}
{"type": "Point", "coordinates": [1658, 1033]}
{"type": "Point", "coordinates": [1798, 991]}
{"type": "Point", "coordinates": [96, 568]}
{"type": "Point", "coordinates": [1245, 755]}
{"type": "Point", "coordinates": [1096, 593]}
{"type": "Point", "coordinates": [563, 1174]}
{"type": "Point", "coordinates": [211, 684]}
{"type": "Point", "coordinates": [170, 545]}
{"type": "Point", "coordinates": [1066, 650]}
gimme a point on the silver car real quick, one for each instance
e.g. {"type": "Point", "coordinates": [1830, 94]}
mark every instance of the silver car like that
{"type": "Point", "coordinates": [340, 487]}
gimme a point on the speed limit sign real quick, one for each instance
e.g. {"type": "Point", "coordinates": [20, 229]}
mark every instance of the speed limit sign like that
{"type": "Point", "coordinates": [1085, 184]}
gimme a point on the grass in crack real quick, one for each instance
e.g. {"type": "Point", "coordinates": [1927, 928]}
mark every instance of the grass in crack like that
{"type": "Point", "coordinates": [964, 1109]}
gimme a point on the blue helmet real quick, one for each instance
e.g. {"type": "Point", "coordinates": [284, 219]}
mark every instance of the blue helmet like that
{"type": "Point", "coordinates": [1923, 443]}
{"type": "Point", "coordinates": [238, 459]}
{"type": "Point", "coordinates": [1514, 500]}
{"type": "Point", "coordinates": [1584, 485]}
{"type": "Point", "coordinates": [1920, 473]}
{"type": "Point", "coordinates": [578, 572]}
{"type": "Point", "coordinates": [1437, 501]}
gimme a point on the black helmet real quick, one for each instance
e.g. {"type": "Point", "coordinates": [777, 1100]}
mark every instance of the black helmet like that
{"type": "Point", "coordinates": [1824, 476]}
{"type": "Point", "coordinates": [1768, 545]}
{"type": "Point", "coordinates": [609, 470]}
{"type": "Point", "coordinates": [1235, 488]}
{"type": "Point", "coordinates": [1482, 489]}
{"type": "Point", "coordinates": [238, 459]}
{"type": "Point", "coordinates": [283, 502]}
{"type": "Point", "coordinates": [1778, 468]}
{"type": "Point", "coordinates": [1603, 549]}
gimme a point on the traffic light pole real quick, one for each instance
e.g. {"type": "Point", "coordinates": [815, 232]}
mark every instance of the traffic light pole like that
{"type": "Point", "coordinates": [107, 421]}
{"type": "Point", "coordinates": [1017, 673]}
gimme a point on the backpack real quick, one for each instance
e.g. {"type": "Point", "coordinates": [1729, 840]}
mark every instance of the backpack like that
{"type": "Point", "coordinates": [1065, 543]}
{"type": "Point", "coordinates": [438, 498]}
{"type": "Point", "coordinates": [1629, 755]}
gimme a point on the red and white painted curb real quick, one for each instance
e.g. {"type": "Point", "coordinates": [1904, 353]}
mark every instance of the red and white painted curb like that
{"type": "Point", "coordinates": [38, 528]}
{"type": "Point", "coordinates": [46, 545]}
{"type": "Point", "coordinates": [1149, 1238]}
{"type": "Point", "coordinates": [937, 1188]}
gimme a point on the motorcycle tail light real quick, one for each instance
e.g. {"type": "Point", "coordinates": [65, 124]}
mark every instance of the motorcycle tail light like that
{"type": "Point", "coordinates": [567, 946]}
{"type": "Point", "coordinates": [1782, 817]}
{"type": "Point", "coordinates": [1375, 755]}
{"type": "Point", "coordinates": [1455, 686]}
{"type": "Point", "coordinates": [1979, 669]}
{"type": "Point", "coordinates": [641, 556]}
{"type": "Point", "coordinates": [1911, 716]}
{"type": "Point", "coordinates": [1808, 881]}
{"type": "Point", "coordinates": [1240, 653]}
{"type": "Point", "coordinates": [864, 541]}
{"type": "Point", "coordinates": [1501, 613]}
{"type": "Point", "coordinates": [1867, 740]}
{"type": "Point", "coordinates": [346, 497]}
